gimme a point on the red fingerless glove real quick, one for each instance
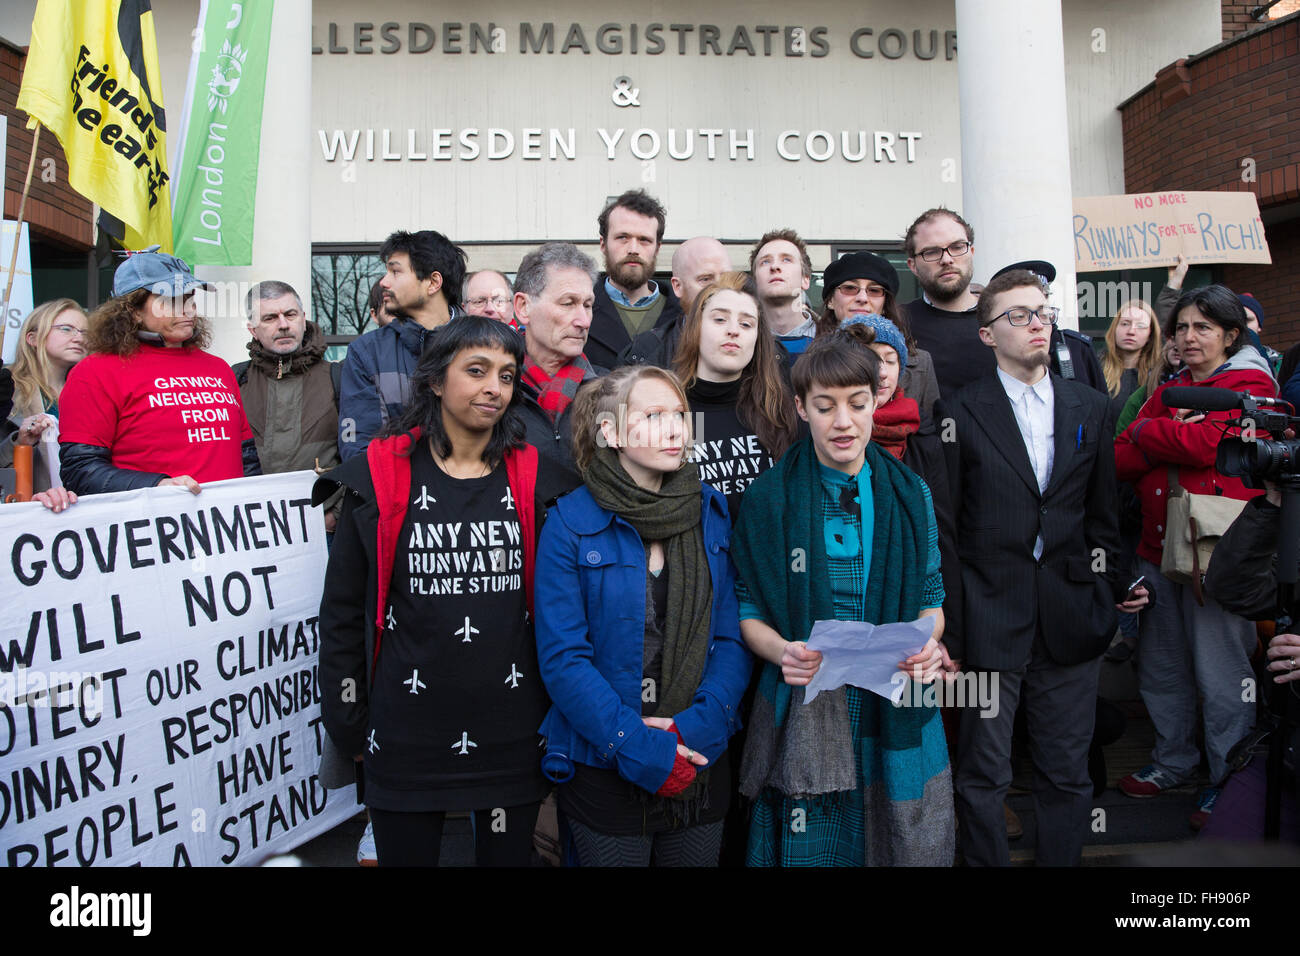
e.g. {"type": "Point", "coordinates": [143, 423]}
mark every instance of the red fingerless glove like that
{"type": "Point", "coordinates": [683, 772]}
{"type": "Point", "coordinates": [682, 776]}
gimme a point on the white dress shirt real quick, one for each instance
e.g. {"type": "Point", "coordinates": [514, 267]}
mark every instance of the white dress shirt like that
{"type": "Point", "coordinates": [1035, 410]}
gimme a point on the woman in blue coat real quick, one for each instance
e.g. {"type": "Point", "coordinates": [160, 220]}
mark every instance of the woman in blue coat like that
{"type": "Point", "coordinates": [638, 636]}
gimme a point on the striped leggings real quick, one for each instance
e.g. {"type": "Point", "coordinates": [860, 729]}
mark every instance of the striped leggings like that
{"type": "Point", "coordinates": [691, 846]}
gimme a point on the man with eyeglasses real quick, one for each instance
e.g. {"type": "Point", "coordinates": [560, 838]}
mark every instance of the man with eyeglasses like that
{"type": "Point", "coordinates": [290, 393]}
{"type": "Point", "coordinates": [940, 248]}
{"type": "Point", "coordinates": [1071, 352]}
{"type": "Point", "coordinates": [487, 293]}
{"type": "Point", "coordinates": [1033, 471]}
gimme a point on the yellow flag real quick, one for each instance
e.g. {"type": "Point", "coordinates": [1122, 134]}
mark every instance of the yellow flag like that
{"type": "Point", "coordinates": [92, 79]}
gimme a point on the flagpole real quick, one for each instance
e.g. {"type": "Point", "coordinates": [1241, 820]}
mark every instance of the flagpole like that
{"type": "Point", "coordinates": [18, 233]}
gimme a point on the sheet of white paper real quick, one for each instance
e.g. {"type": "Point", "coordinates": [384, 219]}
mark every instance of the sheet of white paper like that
{"type": "Point", "coordinates": [864, 655]}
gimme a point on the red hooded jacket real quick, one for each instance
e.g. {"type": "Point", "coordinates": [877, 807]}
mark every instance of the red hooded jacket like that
{"type": "Point", "coordinates": [390, 470]}
{"type": "Point", "coordinates": [1155, 441]}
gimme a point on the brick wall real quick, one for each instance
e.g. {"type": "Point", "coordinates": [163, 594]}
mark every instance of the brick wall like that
{"type": "Point", "coordinates": [1277, 287]}
{"type": "Point", "coordinates": [1202, 118]}
{"type": "Point", "coordinates": [56, 212]}
{"type": "Point", "coordinates": [1237, 18]}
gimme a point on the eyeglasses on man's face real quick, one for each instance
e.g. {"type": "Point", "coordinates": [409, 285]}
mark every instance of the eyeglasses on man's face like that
{"type": "Point", "coordinates": [499, 302]}
{"type": "Point", "coordinates": [1020, 316]}
{"type": "Point", "coordinates": [954, 249]}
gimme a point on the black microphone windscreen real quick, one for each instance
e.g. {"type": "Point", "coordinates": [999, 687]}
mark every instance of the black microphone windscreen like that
{"type": "Point", "coordinates": [1204, 399]}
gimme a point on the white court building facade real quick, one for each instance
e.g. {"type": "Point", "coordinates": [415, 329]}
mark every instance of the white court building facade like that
{"type": "Point", "coordinates": [503, 124]}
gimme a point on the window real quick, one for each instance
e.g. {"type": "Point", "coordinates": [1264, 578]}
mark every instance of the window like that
{"type": "Point", "coordinates": [341, 278]}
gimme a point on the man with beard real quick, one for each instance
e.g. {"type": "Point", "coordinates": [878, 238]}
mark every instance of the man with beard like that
{"type": "Point", "coordinates": [940, 247]}
{"type": "Point", "coordinates": [289, 391]}
{"type": "Point", "coordinates": [628, 300]}
{"type": "Point", "coordinates": [422, 287]}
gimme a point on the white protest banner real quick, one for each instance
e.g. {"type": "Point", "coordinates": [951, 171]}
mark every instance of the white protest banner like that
{"type": "Point", "coordinates": [20, 299]}
{"type": "Point", "coordinates": [1142, 230]}
{"type": "Point", "coordinates": [159, 701]}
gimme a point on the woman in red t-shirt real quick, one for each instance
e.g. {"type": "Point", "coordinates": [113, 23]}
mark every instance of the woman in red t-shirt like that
{"type": "Point", "coordinates": [149, 406]}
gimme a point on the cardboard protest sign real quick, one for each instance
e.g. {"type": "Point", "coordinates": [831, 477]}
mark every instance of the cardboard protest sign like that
{"type": "Point", "coordinates": [1151, 229]}
{"type": "Point", "coordinates": [159, 700]}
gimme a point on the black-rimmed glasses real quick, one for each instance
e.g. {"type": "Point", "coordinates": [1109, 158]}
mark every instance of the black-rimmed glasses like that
{"type": "Point", "coordinates": [1020, 317]}
{"type": "Point", "coordinates": [954, 249]}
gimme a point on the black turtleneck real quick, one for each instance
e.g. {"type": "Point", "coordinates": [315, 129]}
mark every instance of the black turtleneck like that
{"type": "Point", "coordinates": [727, 451]}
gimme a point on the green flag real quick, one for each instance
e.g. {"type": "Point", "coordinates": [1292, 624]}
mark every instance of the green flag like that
{"type": "Point", "coordinates": [215, 184]}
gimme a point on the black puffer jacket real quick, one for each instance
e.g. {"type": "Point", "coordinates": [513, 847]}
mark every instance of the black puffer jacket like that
{"type": "Point", "coordinates": [1242, 574]}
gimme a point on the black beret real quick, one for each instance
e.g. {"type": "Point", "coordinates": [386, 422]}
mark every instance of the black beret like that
{"type": "Point", "coordinates": [859, 265]}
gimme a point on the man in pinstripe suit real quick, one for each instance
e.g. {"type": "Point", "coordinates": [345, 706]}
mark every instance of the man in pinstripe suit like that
{"type": "Point", "coordinates": [1033, 474]}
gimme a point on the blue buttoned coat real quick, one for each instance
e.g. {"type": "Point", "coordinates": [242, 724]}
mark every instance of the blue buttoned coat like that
{"type": "Point", "coordinates": [590, 608]}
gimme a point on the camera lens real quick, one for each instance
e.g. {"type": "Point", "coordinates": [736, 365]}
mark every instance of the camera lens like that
{"type": "Point", "coordinates": [1259, 459]}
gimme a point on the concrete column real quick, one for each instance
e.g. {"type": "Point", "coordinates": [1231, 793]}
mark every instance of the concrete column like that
{"type": "Point", "coordinates": [282, 225]}
{"type": "Point", "coordinates": [1015, 142]}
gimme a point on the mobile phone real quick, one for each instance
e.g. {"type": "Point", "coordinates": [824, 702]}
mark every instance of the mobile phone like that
{"type": "Point", "coordinates": [1133, 587]}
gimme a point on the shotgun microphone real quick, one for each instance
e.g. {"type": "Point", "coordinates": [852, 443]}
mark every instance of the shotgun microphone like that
{"type": "Point", "coordinates": [1209, 399]}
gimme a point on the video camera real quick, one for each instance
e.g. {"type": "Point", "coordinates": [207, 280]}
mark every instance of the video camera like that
{"type": "Point", "coordinates": [1248, 456]}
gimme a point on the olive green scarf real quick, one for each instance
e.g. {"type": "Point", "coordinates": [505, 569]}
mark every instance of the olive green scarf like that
{"type": "Point", "coordinates": [671, 515]}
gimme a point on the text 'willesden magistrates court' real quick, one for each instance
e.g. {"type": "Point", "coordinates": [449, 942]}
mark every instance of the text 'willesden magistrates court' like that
{"type": "Point", "coordinates": [613, 39]}
{"type": "Point", "coordinates": [618, 94]}
{"type": "Point", "coordinates": [492, 123]}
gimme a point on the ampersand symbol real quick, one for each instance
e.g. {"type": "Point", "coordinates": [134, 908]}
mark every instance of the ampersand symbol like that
{"type": "Point", "coordinates": [623, 94]}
